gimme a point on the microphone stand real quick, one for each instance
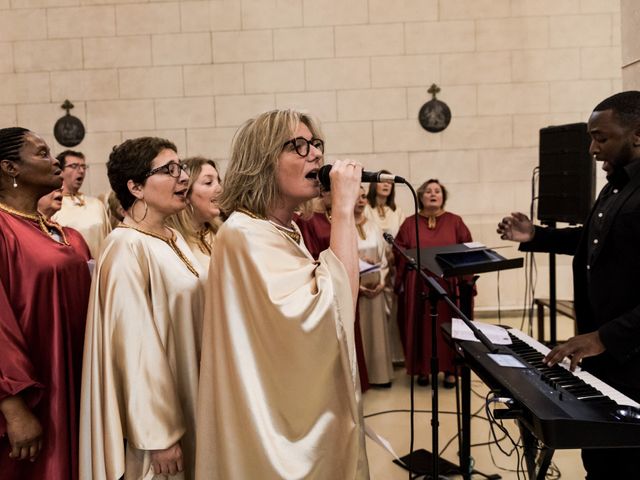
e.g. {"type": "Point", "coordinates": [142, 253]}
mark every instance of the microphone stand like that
{"type": "Point", "coordinates": [437, 293]}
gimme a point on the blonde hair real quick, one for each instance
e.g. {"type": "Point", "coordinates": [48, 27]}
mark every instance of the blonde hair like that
{"type": "Point", "coordinates": [183, 220]}
{"type": "Point", "coordinates": [115, 209]}
{"type": "Point", "coordinates": [251, 177]}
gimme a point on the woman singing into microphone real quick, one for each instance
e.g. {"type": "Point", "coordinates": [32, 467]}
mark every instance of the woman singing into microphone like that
{"type": "Point", "coordinates": [279, 393]}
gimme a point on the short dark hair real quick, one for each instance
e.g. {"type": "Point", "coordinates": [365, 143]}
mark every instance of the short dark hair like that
{"type": "Point", "coordinates": [423, 188]}
{"type": "Point", "coordinates": [11, 141]}
{"type": "Point", "coordinates": [62, 156]}
{"type": "Point", "coordinates": [131, 160]}
{"type": "Point", "coordinates": [625, 107]}
{"type": "Point", "coordinates": [371, 194]}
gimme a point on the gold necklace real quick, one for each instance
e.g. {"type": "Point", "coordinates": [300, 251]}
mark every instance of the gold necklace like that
{"type": "Point", "coordinates": [203, 244]}
{"type": "Point", "coordinates": [289, 232]}
{"type": "Point", "coordinates": [45, 225]}
{"type": "Point", "coordinates": [431, 219]}
{"type": "Point", "coordinates": [169, 241]}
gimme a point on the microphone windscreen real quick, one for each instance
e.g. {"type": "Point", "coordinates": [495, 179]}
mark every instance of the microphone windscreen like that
{"type": "Point", "coordinates": [323, 176]}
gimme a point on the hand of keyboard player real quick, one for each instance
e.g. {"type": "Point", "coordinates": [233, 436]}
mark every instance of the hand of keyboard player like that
{"type": "Point", "coordinates": [576, 348]}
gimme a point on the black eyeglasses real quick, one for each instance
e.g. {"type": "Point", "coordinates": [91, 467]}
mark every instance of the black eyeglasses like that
{"type": "Point", "coordinates": [302, 146]}
{"type": "Point", "coordinates": [77, 166]}
{"type": "Point", "coordinates": [173, 169]}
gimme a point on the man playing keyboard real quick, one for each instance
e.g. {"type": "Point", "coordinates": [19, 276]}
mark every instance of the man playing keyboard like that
{"type": "Point", "coordinates": [606, 269]}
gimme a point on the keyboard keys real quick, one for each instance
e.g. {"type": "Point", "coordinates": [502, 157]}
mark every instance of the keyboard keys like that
{"type": "Point", "coordinates": [582, 385]}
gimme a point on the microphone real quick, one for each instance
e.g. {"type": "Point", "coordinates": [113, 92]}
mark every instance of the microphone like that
{"type": "Point", "coordinates": [388, 237]}
{"type": "Point", "coordinates": [367, 177]}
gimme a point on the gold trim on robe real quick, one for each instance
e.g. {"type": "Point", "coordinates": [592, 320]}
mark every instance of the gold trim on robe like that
{"type": "Point", "coordinates": [203, 258]}
{"type": "Point", "coordinates": [279, 390]}
{"type": "Point", "coordinates": [141, 358]}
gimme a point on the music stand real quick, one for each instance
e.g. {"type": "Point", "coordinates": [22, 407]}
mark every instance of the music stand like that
{"type": "Point", "coordinates": [463, 259]}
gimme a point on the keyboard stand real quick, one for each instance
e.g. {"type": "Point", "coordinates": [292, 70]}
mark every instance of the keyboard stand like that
{"type": "Point", "coordinates": [465, 427]}
{"type": "Point", "coordinates": [537, 463]}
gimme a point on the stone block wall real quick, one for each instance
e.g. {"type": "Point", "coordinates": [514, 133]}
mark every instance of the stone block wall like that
{"type": "Point", "coordinates": [193, 71]}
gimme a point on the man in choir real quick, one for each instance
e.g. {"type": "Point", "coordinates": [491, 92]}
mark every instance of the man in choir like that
{"type": "Point", "coordinates": [86, 214]}
{"type": "Point", "coordinates": [44, 290]}
{"type": "Point", "coordinates": [606, 268]}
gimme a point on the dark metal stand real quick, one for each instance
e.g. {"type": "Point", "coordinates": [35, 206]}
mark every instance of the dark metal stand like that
{"type": "Point", "coordinates": [437, 293]}
{"type": "Point", "coordinates": [466, 470]}
{"type": "Point", "coordinates": [536, 467]}
{"type": "Point", "coordinates": [552, 295]}
{"type": "Point", "coordinates": [465, 431]}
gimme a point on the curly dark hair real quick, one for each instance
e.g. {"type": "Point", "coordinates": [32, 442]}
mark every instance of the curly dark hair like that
{"type": "Point", "coordinates": [131, 160]}
{"type": "Point", "coordinates": [62, 156]}
{"type": "Point", "coordinates": [423, 188]}
{"type": "Point", "coordinates": [372, 194]}
{"type": "Point", "coordinates": [625, 107]}
{"type": "Point", "coordinates": [11, 141]}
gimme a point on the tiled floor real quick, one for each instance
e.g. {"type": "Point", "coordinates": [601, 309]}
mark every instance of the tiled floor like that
{"type": "Point", "coordinates": [395, 428]}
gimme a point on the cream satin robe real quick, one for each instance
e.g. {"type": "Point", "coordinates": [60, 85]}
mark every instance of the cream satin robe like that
{"type": "Point", "coordinates": [374, 318]}
{"type": "Point", "coordinates": [279, 388]}
{"type": "Point", "coordinates": [202, 257]}
{"type": "Point", "coordinates": [390, 222]}
{"type": "Point", "coordinates": [90, 219]}
{"type": "Point", "coordinates": [141, 357]}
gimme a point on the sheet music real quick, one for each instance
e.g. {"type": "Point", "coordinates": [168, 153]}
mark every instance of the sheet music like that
{"type": "Point", "coordinates": [494, 333]}
{"type": "Point", "coordinates": [366, 267]}
{"type": "Point", "coordinates": [474, 245]}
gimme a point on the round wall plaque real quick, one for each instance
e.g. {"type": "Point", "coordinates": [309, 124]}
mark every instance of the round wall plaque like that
{"type": "Point", "coordinates": [68, 130]}
{"type": "Point", "coordinates": [434, 115]}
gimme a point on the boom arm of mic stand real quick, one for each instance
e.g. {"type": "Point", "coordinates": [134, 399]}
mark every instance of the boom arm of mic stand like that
{"type": "Point", "coordinates": [441, 293]}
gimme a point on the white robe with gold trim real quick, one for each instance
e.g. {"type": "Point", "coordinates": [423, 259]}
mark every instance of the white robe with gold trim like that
{"type": "Point", "coordinates": [390, 223]}
{"type": "Point", "coordinates": [279, 390]}
{"type": "Point", "coordinates": [141, 358]}
{"type": "Point", "coordinates": [374, 317]}
{"type": "Point", "coordinates": [90, 219]}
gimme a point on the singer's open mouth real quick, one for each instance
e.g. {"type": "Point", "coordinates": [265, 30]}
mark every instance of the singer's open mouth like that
{"type": "Point", "coordinates": [312, 175]}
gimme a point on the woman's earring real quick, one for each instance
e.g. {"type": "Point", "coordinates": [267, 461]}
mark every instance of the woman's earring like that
{"type": "Point", "coordinates": [146, 208]}
{"type": "Point", "coordinates": [15, 183]}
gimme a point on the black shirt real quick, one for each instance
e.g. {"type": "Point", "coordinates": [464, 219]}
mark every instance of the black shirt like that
{"type": "Point", "coordinates": [616, 182]}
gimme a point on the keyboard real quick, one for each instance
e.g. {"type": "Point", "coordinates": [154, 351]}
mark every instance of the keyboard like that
{"type": "Point", "coordinates": [562, 409]}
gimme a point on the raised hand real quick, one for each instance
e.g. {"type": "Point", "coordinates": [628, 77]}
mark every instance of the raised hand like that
{"type": "Point", "coordinates": [516, 227]}
{"type": "Point", "coordinates": [346, 178]}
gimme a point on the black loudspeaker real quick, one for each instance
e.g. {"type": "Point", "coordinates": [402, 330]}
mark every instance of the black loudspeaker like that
{"type": "Point", "coordinates": [566, 189]}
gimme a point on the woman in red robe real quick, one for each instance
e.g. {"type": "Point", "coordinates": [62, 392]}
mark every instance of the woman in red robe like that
{"type": "Point", "coordinates": [316, 232]}
{"type": "Point", "coordinates": [44, 291]}
{"type": "Point", "coordinates": [316, 228]}
{"type": "Point", "coordinates": [437, 228]}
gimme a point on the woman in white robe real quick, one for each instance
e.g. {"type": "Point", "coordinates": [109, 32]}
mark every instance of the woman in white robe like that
{"type": "Point", "coordinates": [198, 222]}
{"type": "Point", "coordinates": [142, 345]}
{"type": "Point", "coordinates": [372, 307]}
{"type": "Point", "coordinates": [382, 210]}
{"type": "Point", "coordinates": [279, 389]}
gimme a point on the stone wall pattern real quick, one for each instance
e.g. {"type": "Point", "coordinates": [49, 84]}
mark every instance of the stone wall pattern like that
{"type": "Point", "coordinates": [195, 70]}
